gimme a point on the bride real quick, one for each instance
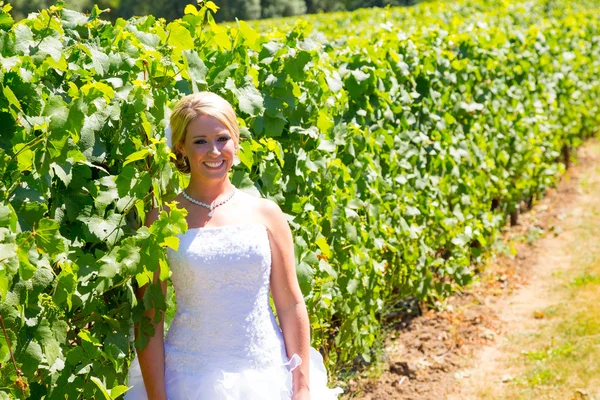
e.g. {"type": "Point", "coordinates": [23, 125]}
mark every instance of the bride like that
{"type": "Point", "coordinates": [224, 341]}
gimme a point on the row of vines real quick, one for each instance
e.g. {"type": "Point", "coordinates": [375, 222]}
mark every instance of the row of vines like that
{"type": "Point", "coordinates": [398, 141]}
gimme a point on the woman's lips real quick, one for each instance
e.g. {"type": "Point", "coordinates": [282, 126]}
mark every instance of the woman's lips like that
{"type": "Point", "coordinates": [214, 165]}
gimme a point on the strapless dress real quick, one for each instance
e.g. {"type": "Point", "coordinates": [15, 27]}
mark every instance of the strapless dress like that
{"type": "Point", "coordinates": [224, 341]}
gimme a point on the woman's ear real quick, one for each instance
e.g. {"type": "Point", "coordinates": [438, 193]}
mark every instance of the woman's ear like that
{"type": "Point", "coordinates": [179, 148]}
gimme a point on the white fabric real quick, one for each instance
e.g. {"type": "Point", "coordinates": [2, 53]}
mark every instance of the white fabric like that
{"type": "Point", "coordinates": [169, 136]}
{"type": "Point", "coordinates": [224, 342]}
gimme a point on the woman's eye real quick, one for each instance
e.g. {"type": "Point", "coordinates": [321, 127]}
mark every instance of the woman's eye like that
{"type": "Point", "coordinates": [221, 139]}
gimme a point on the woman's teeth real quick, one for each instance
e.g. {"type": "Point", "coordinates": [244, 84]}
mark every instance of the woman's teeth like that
{"type": "Point", "coordinates": [214, 164]}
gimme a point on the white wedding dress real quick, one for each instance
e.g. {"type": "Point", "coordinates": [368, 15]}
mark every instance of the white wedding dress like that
{"type": "Point", "coordinates": [224, 342]}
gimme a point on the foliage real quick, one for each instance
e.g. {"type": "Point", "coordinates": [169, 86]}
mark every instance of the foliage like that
{"type": "Point", "coordinates": [229, 9]}
{"type": "Point", "coordinates": [396, 148]}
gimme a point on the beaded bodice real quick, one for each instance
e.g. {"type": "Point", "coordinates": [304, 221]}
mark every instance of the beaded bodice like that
{"type": "Point", "coordinates": [221, 278]}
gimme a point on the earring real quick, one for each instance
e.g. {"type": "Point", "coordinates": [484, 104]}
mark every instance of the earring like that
{"type": "Point", "coordinates": [185, 161]}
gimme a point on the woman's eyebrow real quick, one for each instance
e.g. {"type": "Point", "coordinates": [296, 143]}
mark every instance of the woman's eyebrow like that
{"type": "Point", "coordinates": [203, 136]}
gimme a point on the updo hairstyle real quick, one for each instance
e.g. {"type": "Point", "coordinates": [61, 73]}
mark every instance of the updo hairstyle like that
{"type": "Point", "coordinates": [191, 107]}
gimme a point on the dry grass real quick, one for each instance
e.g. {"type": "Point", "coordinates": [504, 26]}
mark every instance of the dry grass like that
{"type": "Point", "coordinates": [560, 359]}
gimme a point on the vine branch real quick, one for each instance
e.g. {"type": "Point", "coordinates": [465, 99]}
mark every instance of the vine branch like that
{"type": "Point", "coordinates": [12, 356]}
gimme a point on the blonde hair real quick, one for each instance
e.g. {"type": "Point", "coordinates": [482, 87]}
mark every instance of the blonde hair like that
{"type": "Point", "coordinates": [191, 107]}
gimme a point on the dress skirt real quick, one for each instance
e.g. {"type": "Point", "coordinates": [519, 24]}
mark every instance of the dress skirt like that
{"type": "Point", "coordinates": [245, 384]}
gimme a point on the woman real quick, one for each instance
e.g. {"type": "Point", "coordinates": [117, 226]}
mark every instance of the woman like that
{"type": "Point", "coordinates": [224, 342]}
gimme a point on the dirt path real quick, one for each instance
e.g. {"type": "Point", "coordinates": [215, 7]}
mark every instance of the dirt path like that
{"type": "Point", "coordinates": [555, 257]}
{"type": "Point", "coordinates": [472, 348]}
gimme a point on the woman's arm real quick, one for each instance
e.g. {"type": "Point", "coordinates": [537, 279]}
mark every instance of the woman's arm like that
{"type": "Point", "coordinates": [152, 357]}
{"type": "Point", "coordinates": [287, 296]}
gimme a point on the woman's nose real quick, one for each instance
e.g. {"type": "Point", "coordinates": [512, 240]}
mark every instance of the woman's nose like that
{"type": "Point", "coordinates": [214, 149]}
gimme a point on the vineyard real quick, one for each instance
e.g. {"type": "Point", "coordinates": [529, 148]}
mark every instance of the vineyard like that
{"type": "Point", "coordinates": [398, 141]}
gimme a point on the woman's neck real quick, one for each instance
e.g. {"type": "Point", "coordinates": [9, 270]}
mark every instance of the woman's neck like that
{"type": "Point", "coordinates": [208, 192]}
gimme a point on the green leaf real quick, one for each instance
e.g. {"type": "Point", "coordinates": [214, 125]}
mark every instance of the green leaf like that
{"type": "Point", "coordinates": [211, 6]}
{"type": "Point", "coordinates": [138, 155]}
{"type": "Point", "coordinates": [241, 180]}
{"type": "Point", "coordinates": [154, 298]}
{"type": "Point", "coordinates": [6, 21]}
{"type": "Point", "coordinates": [324, 122]}
{"type": "Point", "coordinates": [48, 238]}
{"type": "Point", "coordinates": [334, 83]}
{"type": "Point", "coordinates": [23, 38]}
{"type": "Point", "coordinates": [71, 19]}
{"type": "Point", "coordinates": [104, 229]}
{"type": "Point", "coordinates": [63, 172]}
{"type": "Point", "coordinates": [353, 284]}
{"type": "Point", "coordinates": [102, 388]}
{"type": "Point", "coordinates": [305, 274]}
{"type": "Point", "coordinates": [109, 266]}
{"type": "Point", "coordinates": [220, 36]}
{"type": "Point", "coordinates": [250, 35]}
{"type": "Point", "coordinates": [245, 154]}
{"type": "Point", "coordinates": [118, 390]}
{"type": "Point", "coordinates": [86, 336]}
{"type": "Point", "coordinates": [327, 269]}
{"type": "Point", "coordinates": [270, 175]}
{"type": "Point", "coordinates": [190, 9]}
{"type": "Point", "coordinates": [7, 250]}
{"type": "Point", "coordinates": [4, 350]}
{"type": "Point", "coordinates": [50, 46]}
{"type": "Point", "coordinates": [10, 96]}
{"type": "Point", "coordinates": [66, 283]}
{"type": "Point", "coordinates": [99, 87]}
{"type": "Point", "coordinates": [4, 285]}
{"type": "Point", "coordinates": [195, 67]}
{"type": "Point", "coordinates": [274, 125]}
{"type": "Point", "coordinates": [171, 241]}
{"type": "Point", "coordinates": [50, 345]}
{"type": "Point", "coordinates": [327, 145]}
{"type": "Point", "coordinates": [58, 112]}
{"type": "Point", "coordinates": [250, 100]}
{"type": "Point", "coordinates": [324, 246]}
{"type": "Point", "coordinates": [145, 332]}
{"type": "Point", "coordinates": [100, 61]}
{"type": "Point", "coordinates": [31, 357]}
{"type": "Point", "coordinates": [276, 148]}
{"type": "Point", "coordinates": [25, 249]}
{"type": "Point", "coordinates": [129, 257]}
{"type": "Point", "coordinates": [179, 37]}
{"type": "Point", "coordinates": [133, 183]}
{"type": "Point", "coordinates": [294, 66]}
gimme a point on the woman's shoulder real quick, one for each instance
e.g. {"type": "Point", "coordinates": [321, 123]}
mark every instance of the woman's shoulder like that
{"type": "Point", "coordinates": [261, 205]}
{"type": "Point", "coordinates": [267, 210]}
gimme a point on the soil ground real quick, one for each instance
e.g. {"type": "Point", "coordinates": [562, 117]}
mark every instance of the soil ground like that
{"type": "Point", "coordinates": [466, 350]}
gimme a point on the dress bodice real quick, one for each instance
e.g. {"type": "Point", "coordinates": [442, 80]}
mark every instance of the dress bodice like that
{"type": "Point", "coordinates": [221, 278]}
{"type": "Point", "coordinates": [224, 342]}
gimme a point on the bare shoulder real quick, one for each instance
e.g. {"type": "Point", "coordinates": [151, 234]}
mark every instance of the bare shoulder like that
{"type": "Point", "coordinates": [273, 216]}
{"type": "Point", "coordinates": [269, 207]}
{"type": "Point", "coordinates": [255, 204]}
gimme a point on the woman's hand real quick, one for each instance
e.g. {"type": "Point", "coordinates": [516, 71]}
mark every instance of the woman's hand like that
{"type": "Point", "coordinates": [302, 394]}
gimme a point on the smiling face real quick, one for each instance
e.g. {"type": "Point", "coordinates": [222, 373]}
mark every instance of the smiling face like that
{"type": "Point", "coordinates": [209, 147]}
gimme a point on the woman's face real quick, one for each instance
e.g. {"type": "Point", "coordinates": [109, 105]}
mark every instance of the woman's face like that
{"type": "Point", "coordinates": [209, 147]}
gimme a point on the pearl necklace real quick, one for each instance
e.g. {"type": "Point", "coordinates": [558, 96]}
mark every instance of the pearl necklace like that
{"type": "Point", "coordinates": [210, 207]}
